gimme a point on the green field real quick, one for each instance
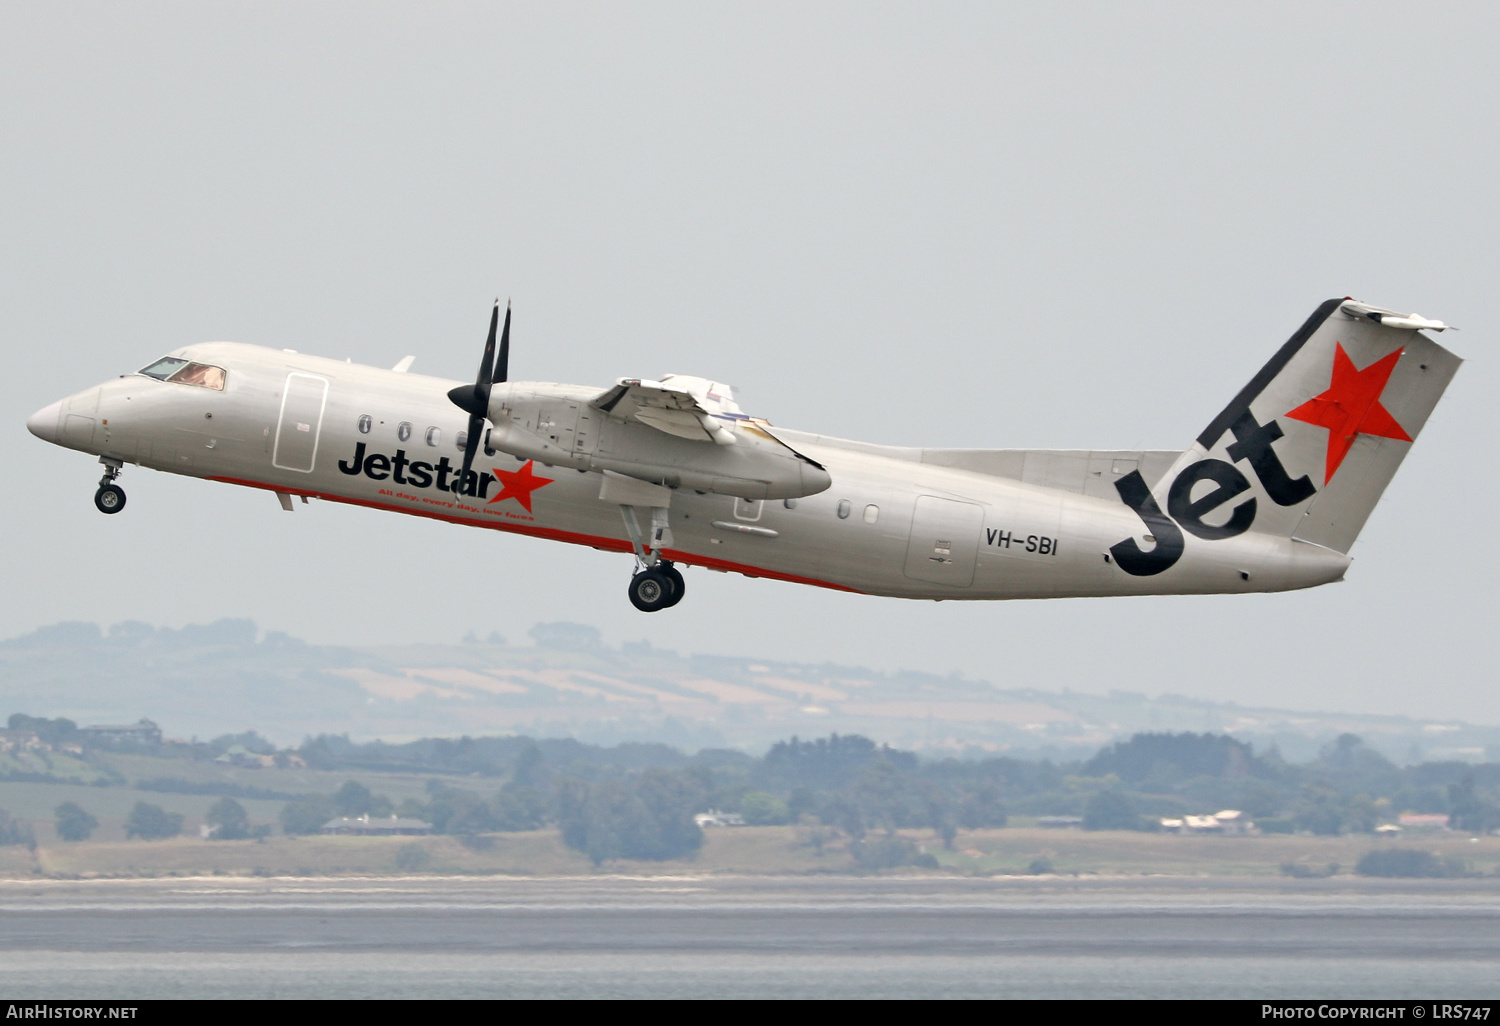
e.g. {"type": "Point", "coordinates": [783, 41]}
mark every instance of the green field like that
{"type": "Point", "coordinates": [397, 786]}
{"type": "Point", "coordinates": [53, 764]}
{"type": "Point", "coordinates": [110, 805]}
{"type": "Point", "coordinates": [1122, 852]}
{"type": "Point", "coordinates": [747, 850]}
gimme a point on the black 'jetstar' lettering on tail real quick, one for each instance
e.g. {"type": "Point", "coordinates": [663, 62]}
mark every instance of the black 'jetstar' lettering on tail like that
{"type": "Point", "coordinates": [1168, 548]}
{"type": "Point", "coordinates": [1253, 442]}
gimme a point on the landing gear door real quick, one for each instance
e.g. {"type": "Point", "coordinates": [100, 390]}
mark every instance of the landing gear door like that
{"type": "Point", "coordinates": [301, 422]}
{"type": "Point", "coordinates": [944, 541]}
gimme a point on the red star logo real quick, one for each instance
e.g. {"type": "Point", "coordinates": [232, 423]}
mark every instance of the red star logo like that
{"type": "Point", "coordinates": [518, 484]}
{"type": "Point", "coordinates": [1351, 406]}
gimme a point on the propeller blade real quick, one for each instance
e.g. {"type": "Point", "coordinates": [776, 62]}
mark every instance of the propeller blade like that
{"type": "Point", "coordinates": [487, 363]}
{"type": "Point", "coordinates": [471, 446]}
{"type": "Point", "coordinates": [502, 365]}
{"type": "Point", "coordinates": [475, 399]}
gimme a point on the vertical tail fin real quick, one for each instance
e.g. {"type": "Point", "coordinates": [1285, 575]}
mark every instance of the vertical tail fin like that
{"type": "Point", "coordinates": [1323, 427]}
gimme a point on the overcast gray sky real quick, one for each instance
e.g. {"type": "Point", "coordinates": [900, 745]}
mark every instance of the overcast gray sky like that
{"type": "Point", "coordinates": [1058, 225]}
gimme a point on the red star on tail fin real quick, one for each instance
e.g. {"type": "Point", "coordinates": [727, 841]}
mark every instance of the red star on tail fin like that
{"type": "Point", "coordinates": [1351, 406]}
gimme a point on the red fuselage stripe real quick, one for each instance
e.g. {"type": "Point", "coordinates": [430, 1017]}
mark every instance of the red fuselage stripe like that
{"type": "Point", "coordinates": [551, 534]}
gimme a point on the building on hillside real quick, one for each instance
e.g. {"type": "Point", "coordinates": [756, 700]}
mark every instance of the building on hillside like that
{"type": "Point", "coordinates": [1234, 822]}
{"type": "Point", "coordinates": [1422, 821]}
{"type": "Point", "coordinates": [1230, 822]}
{"type": "Point", "coordinates": [715, 818]}
{"type": "Point", "coordinates": [22, 741]}
{"type": "Point", "coordinates": [1059, 822]}
{"type": "Point", "coordinates": [143, 733]}
{"type": "Point", "coordinates": [239, 755]}
{"type": "Point", "coordinates": [375, 826]}
{"type": "Point", "coordinates": [15, 742]}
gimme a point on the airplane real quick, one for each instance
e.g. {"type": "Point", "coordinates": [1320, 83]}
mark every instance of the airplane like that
{"type": "Point", "coordinates": [1270, 496]}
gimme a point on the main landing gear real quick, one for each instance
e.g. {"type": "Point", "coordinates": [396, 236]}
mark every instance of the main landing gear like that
{"type": "Point", "coordinates": [110, 498]}
{"type": "Point", "coordinates": [657, 587]}
{"type": "Point", "coordinates": [657, 584]}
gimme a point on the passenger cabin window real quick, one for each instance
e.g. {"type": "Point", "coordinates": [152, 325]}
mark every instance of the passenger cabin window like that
{"type": "Point", "coordinates": [872, 513]}
{"type": "Point", "coordinates": [434, 435]}
{"type": "Point", "coordinates": [844, 509]}
{"type": "Point", "coordinates": [364, 424]}
{"type": "Point", "coordinates": [403, 430]}
{"type": "Point", "coordinates": [185, 372]}
{"type": "Point", "coordinates": [789, 503]}
{"type": "Point", "coordinates": [461, 439]}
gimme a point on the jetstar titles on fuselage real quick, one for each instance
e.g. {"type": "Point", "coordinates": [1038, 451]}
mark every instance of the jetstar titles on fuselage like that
{"type": "Point", "coordinates": [443, 475]}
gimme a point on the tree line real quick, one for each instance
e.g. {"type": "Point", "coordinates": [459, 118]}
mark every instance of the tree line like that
{"type": "Point", "coordinates": [866, 791]}
{"type": "Point", "coordinates": [638, 800]}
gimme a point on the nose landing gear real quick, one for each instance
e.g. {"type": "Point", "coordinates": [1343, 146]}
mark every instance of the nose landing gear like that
{"type": "Point", "coordinates": [110, 498]}
{"type": "Point", "coordinates": [657, 587]}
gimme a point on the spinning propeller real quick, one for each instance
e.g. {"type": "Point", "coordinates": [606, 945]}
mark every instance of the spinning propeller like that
{"type": "Point", "coordinates": [475, 399]}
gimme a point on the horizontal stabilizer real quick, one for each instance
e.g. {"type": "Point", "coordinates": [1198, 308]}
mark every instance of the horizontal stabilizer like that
{"type": "Point", "coordinates": [1082, 471]}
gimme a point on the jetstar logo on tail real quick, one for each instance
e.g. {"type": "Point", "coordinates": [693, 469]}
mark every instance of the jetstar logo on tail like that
{"type": "Point", "coordinates": [1252, 444]}
{"type": "Point", "coordinates": [1350, 407]}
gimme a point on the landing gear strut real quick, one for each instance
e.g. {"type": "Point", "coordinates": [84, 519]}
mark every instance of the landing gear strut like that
{"type": "Point", "coordinates": [657, 584]}
{"type": "Point", "coordinates": [110, 498]}
{"type": "Point", "coordinates": [657, 587]}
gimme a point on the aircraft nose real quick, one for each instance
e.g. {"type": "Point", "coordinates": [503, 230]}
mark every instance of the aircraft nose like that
{"type": "Point", "coordinates": [43, 423]}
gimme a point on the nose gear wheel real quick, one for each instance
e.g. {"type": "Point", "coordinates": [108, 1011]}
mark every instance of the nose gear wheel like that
{"type": "Point", "coordinates": [110, 498]}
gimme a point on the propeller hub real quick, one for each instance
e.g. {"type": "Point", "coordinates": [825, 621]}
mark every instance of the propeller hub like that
{"type": "Point", "coordinates": [472, 399]}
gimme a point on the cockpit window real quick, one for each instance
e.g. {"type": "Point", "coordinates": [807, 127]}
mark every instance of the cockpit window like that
{"type": "Point", "coordinates": [185, 372]}
{"type": "Point", "coordinates": [164, 368]}
{"type": "Point", "coordinates": [200, 374]}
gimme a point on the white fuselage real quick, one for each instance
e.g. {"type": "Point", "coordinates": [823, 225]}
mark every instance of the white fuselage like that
{"type": "Point", "coordinates": [890, 524]}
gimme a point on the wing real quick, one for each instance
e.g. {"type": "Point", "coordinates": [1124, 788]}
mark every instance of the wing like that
{"type": "Point", "coordinates": [691, 408]}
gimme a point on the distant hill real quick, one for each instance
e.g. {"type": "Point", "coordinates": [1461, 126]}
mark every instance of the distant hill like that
{"type": "Point", "coordinates": [208, 679]}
